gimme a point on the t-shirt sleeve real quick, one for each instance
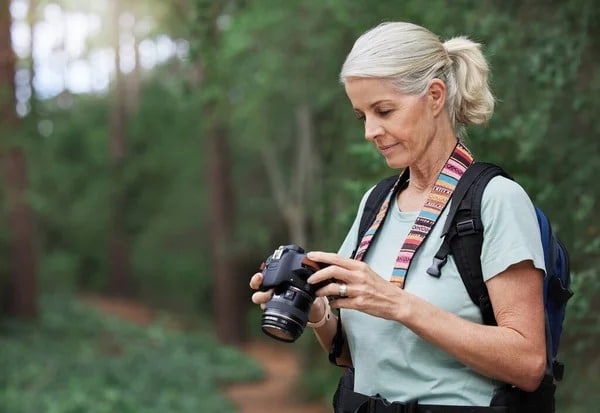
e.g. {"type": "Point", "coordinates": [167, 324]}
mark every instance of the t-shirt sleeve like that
{"type": "Point", "coordinates": [511, 232]}
{"type": "Point", "coordinates": [347, 247]}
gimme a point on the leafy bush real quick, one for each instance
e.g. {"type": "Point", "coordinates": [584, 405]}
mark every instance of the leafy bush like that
{"type": "Point", "coordinates": [76, 360]}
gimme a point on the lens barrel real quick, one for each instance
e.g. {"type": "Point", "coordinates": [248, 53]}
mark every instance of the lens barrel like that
{"type": "Point", "coordinates": [286, 314]}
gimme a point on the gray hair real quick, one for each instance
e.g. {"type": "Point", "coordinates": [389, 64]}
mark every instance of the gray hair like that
{"type": "Point", "coordinates": [410, 56]}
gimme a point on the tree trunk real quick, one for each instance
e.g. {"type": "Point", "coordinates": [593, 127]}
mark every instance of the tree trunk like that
{"type": "Point", "coordinates": [120, 279]}
{"type": "Point", "coordinates": [292, 196]}
{"type": "Point", "coordinates": [133, 79]}
{"type": "Point", "coordinates": [7, 69]}
{"type": "Point", "coordinates": [31, 19]}
{"type": "Point", "coordinates": [229, 301]}
{"type": "Point", "coordinates": [22, 285]}
{"type": "Point", "coordinates": [228, 298]}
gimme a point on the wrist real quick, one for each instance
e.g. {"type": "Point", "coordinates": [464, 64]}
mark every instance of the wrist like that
{"type": "Point", "coordinates": [324, 318]}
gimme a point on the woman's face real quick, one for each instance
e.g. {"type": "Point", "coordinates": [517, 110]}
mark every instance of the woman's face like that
{"type": "Point", "coordinates": [400, 126]}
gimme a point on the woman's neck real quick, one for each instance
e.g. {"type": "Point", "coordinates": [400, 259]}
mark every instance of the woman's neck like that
{"type": "Point", "coordinates": [424, 174]}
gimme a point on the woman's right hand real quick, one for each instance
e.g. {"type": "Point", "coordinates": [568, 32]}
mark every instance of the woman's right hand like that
{"type": "Point", "coordinates": [259, 297]}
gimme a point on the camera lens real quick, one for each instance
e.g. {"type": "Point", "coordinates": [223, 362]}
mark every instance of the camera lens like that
{"type": "Point", "coordinates": [286, 314]}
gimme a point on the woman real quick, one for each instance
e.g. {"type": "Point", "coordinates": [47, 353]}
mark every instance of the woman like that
{"type": "Point", "coordinates": [410, 336]}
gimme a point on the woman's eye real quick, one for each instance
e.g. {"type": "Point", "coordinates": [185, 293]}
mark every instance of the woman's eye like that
{"type": "Point", "coordinates": [379, 112]}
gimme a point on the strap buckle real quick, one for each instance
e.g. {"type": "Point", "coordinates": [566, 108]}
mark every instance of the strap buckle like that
{"type": "Point", "coordinates": [435, 270]}
{"type": "Point", "coordinates": [465, 227]}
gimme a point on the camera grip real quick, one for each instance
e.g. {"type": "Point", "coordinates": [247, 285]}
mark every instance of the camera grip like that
{"type": "Point", "coordinates": [313, 265]}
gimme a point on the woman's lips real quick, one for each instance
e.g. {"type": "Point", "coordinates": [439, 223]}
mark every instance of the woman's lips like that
{"type": "Point", "coordinates": [384, 149]}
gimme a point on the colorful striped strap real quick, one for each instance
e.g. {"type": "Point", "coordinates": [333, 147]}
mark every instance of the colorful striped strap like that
{"type": "Point", "coordinates": [437, 200]}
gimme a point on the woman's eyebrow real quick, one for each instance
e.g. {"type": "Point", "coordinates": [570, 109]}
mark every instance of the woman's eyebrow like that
{"type": "Point", "coordinates": [372, 105]}
{"type": "Point", "coordinates": [380, 101]}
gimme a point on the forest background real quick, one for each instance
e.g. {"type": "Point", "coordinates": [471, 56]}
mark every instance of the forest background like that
{"type": "Point", "coordinates": [162, 149]}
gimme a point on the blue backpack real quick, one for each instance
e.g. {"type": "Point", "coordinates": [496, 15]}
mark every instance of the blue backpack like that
{"type": "Point", "coordinates": [463, 238]}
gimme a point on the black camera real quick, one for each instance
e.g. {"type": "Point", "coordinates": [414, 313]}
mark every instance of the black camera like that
{"type": "Point", "coordinates": [286, 271]}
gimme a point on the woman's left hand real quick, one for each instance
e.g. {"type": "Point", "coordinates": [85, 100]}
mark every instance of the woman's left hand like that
{"type": "Point", "coordinates": [355, 285]}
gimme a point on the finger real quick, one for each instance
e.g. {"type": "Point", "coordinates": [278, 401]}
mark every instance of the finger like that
{"type": "Point", "coordinates": [341, 303]}
{"type": "Point", "coordinates": [256, 281]}
{"type": "Point", "coordinates": [324, 275]}
{"type": "Point", "coordinates": [262, 297]}
{"type": "Point", "coordinates": [333, 259]}
{"type": "Point", "coordinates": [334, 290]}
{"type": "Point", "coordinates": [331, 273]}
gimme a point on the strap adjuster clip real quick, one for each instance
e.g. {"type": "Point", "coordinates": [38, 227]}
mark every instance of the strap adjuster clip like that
{"type": "Point", "coordinates": [466, 227]}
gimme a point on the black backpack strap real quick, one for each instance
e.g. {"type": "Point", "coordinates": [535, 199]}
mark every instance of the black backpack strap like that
{"type": "Point", "coordinates": [463, 235]}
{"type": "Point", "coordinates": [337, 344]}
{"type": "Point", "coordinates": [370, 210]}
{"type": "Point", "coordinates": [374, 202]}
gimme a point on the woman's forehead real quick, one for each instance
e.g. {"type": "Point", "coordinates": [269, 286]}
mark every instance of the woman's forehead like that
{"type": "Point", "coordinates": [370, 91]}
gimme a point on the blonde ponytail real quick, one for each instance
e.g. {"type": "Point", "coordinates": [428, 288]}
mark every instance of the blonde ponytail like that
{"type": "Point", "coordinates": [470, 99]}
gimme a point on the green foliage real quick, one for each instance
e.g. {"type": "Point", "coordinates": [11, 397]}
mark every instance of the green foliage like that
{"type": "Point", "coordinates": [579, 346]}
{"type": "Point", "coordinates": [76, 360]}
{"type": "Point", "coordinates": [166, 205]}
{"type": "Point", "coordinates": [161, 178]}
{"type": "Point", "coordinates": [68, 173]}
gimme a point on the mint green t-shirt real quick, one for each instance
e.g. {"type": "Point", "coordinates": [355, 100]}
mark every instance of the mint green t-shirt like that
{"type": "Point", "coordinates": [390, 359]}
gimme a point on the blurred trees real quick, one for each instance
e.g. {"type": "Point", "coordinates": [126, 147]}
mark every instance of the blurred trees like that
{"type": "Point", "coordinates": [244, 140]}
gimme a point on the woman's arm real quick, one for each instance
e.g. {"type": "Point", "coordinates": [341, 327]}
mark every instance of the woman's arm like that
{"type": "Point", "coordinates": [512, 352]}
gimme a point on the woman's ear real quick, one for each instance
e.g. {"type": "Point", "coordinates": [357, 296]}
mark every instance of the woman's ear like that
{"type": "Point", "coordinates": [437, 95]}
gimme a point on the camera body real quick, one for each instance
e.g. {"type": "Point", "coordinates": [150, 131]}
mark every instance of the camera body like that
{"type": "Point", "coordinates": [286, 271]}
{"type": "Point", "coordinates": [288, 265]}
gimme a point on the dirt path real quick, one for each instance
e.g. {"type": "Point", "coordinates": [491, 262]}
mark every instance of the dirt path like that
{"type": "Point", "coordinates": [276, 394]}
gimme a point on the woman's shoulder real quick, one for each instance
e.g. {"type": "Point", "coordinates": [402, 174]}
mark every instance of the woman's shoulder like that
{"type": "Point", "coordinates": [510, 226]}
{"type": "Point", "coordinates": [504, 190]}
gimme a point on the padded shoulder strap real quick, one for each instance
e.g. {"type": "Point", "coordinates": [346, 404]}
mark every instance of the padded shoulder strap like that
{"type": "Point", "coordinates": [470, 190]}
{"type": "Point", "coordinates": [463, 232]}
{"type": "Point", "coordinates": [374, 201]}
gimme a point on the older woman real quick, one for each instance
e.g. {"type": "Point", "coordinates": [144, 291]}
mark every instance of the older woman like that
{"type": "Point", "coordinates": [410, 336]}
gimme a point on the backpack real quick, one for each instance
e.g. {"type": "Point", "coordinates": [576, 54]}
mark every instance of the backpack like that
{"type": "Point", "coordinates": [463, 238]}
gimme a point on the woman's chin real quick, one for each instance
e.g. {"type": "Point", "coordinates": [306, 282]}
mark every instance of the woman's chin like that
{"type": "Point", "coordinates": [395, 163]}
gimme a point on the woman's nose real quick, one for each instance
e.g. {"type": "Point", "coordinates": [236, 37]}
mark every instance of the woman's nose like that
{"type": "Point", "coordinates": [372, 129]}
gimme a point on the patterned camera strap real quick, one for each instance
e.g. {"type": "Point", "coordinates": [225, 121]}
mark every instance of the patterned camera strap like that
{"type": "Point", "coordinates": [437, 200]}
